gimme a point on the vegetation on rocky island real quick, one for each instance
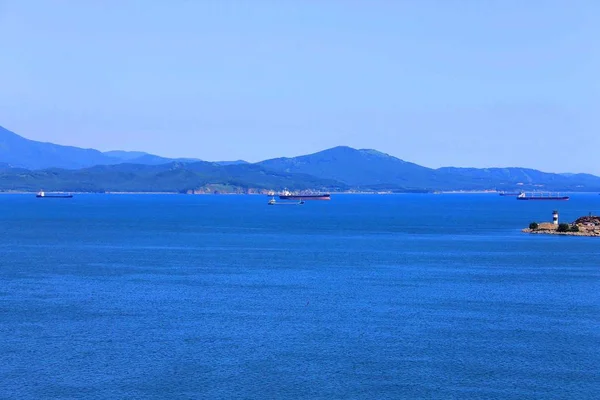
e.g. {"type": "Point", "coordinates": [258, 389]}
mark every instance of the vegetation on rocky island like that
{"type": "Point", "coordinates": [574, 228]}
{"type": "Point", "coordinates": [563, 227]}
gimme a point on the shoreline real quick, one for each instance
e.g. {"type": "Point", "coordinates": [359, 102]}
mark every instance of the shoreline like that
{"type": "Point", "coordinates": [9, 192]}
{"type": "Point", "coordinates": [584, 226]}
{"type": "Point", "coordinates": [545, 232]}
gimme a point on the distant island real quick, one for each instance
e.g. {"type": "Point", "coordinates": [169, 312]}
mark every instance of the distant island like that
{"type": "Point", "coordinates": [31, 166]}
{"type": "Point", "coordinates": [583, 226]}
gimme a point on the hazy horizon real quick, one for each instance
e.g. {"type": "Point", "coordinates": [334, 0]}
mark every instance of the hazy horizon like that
{"type": "Point", "coordinates": [437, 83]}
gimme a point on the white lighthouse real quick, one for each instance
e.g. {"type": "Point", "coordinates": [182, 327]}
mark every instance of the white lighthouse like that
{"type": "Point", "coordinates": [555, 217]}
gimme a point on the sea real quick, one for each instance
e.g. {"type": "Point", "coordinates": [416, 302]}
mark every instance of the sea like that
{"type": "Point", "coordinates": [408, 296]}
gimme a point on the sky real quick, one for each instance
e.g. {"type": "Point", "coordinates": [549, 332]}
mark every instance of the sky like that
{"type": "Point", "coordinates": [467, 83]}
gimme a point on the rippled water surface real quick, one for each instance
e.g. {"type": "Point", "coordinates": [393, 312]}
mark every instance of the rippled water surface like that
{"type": "Point", "coordinates": [362, 297]}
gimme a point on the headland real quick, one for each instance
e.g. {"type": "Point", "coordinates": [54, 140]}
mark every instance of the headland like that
{"type": "Point", "coordinates": [583, 226]}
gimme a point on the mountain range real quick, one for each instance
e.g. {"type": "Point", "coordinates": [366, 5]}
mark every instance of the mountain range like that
{"type": "Point", "coordinates": [27, 165]}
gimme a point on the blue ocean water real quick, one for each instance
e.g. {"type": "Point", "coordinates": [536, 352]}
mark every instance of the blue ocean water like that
{"type": "Point", "coordinates": [362, 297]}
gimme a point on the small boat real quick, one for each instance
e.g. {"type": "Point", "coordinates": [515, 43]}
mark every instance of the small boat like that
{"type": "Point", "coordinates": [44, 195]}
{"type": "Point", "coordinates": [541, 196]}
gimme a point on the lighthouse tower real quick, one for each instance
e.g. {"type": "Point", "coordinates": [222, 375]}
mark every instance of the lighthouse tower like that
{"type": "Point", "coordinates": [555, 217]}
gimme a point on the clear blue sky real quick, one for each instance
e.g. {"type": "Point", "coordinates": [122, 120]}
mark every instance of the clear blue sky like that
{"type": "Point", "coordinates": [447, 82]}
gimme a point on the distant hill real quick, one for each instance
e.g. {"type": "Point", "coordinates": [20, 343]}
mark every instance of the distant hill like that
{"type": "Point", "coordinates": [139, 157]}
{"type": "Point", "coordinates": [371, 169]}
{"type": "Point", "coordinates": [231, 162]}
{"type": "Point", "coordinates": [20, 152]}
{"type": "Point", "coordinates": [354, 167]}
{"type": "Point", "coordinates": [30, 165]}
{"type": "Point", "coordinates": [172, 177]}
{"type": "Point", "coordinates": [125, 155]}
{"type": "Point", "coordinates": [524, 178]}
{"type": "Point", "coordinates": [364, 169]}
{"type": "Point", "coordinates": [151, 159]}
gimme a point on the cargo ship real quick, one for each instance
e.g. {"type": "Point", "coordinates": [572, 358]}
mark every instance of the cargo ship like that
{"type": "Point", "coordinates": [285, 195]}
{"type": "Point", "coordinates": [44, 195]}
{"type": "Point", "coordinates": [509, 193]}
{"type": "Point", "coordinates": [541, 196]}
